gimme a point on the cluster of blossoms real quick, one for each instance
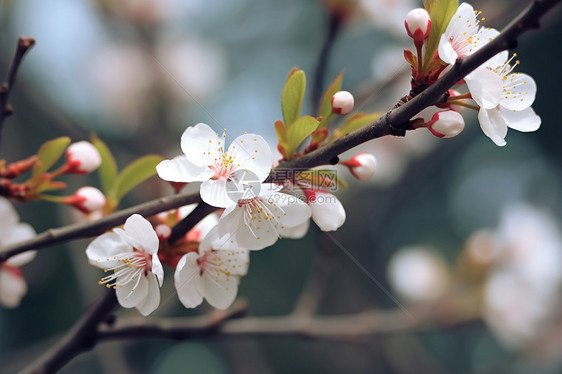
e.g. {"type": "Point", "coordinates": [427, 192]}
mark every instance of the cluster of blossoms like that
{"type": "Point", "coordinates": [503, 98]}
{"type": "Point", "coordinates": [212, 257]}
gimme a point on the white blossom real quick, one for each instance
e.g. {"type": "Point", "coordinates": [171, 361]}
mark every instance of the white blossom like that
{"type": "Point", "coordinates": [132, 254]}
{"type": "Point", "coordinates": [12, 283]}
{"type": "Point", "coordinates": [210, 274]}
{"type": "Point", "coordinates": [205, 160]}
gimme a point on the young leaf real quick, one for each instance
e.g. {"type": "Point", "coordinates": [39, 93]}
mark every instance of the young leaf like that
{"type": "Point", "coordinates": [49, 154]}
{"type": "Point", "coordinates": [108, 168]}
{"type": "Point", "coordinates": [441, 13]}
{"type": "Point", "coordinates": [134, 174]}
{"type": "Point", "coordinates": [282, 135]}
{"type": "Point", "coordinates": [326, 106]}
{"type": "Point", "coordinates": [292, 97]}
{"type": "Point", "coordinates": [298, 132]}
{"type": "Point", "coordinates": [355, 122]}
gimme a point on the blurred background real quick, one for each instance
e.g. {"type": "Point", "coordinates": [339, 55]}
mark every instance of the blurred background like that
{"type": "Point", "coordinates": [460, 227]}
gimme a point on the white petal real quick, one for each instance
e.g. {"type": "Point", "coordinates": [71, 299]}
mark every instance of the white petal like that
{"type": "Point", "coordinates": [446, 50]}
{"type": "Point", "coordinates": [296, 232]}
{"type": "Point", "coordinates": [483, 37]}
{"type": "Point", "coordinates": [140, 234]}
{"type": "Point", "coordinates": [235, 261]}
{"type": "Point", "coordinates": [519, 91]}
{"type": "Point", "coordinates": [201, 145]}
{"type": "Point", "coordinates": [493, 125]}
{"type": "Point", "coordinates": [327, 211]}
{"type": "Point", "coordinates": [254, 238]}
{"type": "Point", "coordinates": [213, 192]}
{"type": "Point", "coordinates": [101, 251]}
{"type": "Point", "coordinates": [179, 169]}
{"type": "Point", "coordinates": [12, 288]}
{"type": "Point", "coordinates": [157, 269]}
{"type": "Point", "coordinates": [252, 152]}
{"type": "Point", "coordinates": [219, 289]}
{"type": "Point", "coordinates": [523, 120]}
{"type": "Point", "coordinates": [289, 210]}
{"type": "Point", "coordinates": [186, 278]}
{"type": "Point", "coordinates": [152, 300]}
{"type": "Point", "coordinates": [485, 86]}
{"type": "Point", "coordinates": [17, 233]}
{"type": "Point", "coordinates": [8, 215]}
{"type": "Point", "coordinates": [22, 258]}
{"type": "Point", "coordinates": [129, 298]}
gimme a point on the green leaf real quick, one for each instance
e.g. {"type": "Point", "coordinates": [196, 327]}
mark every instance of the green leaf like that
{"type": "Point", "coordinates": [323, 178]}
{"type": "Point", "coordinates": [133, 175]}
{"type": "Point", "coordinates": [298, 132]}
{"type": "Point", "coordinates": [292, 97]}
{"type": "Point", "coordinates": [108, 168]}
{"type": "Point", "coordinates": [49, 154]}
{"type": "Point", "coordinates": [326, 106]}
{"type": "Point", "coordinates": [355, 122]}
{"type": "Point", "coordinates": [441, 12]}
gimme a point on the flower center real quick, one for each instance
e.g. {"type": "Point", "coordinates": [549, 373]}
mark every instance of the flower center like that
{"type": "Point", "coordinates": [211, 263]}
{"type": "Point", "coordinates": [127, 267]}
{"type": "Point", "coordinates": [223, 166]}
{"type": "Point", "coordinates": [260, 216]}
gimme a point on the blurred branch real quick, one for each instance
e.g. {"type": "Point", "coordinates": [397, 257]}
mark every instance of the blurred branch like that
{"type": "Point", "coordinates": [350, 326]}
{"type": "Point", "coordinates": [98, 227]}
{"type": "Point", "coordinates": [332, 31]}
{"type": "Point", "coordinates": [24, 45]}
{"type": "Point", "coordinates": [81, 338]}
{"type": "Point", "coordinates": [396, 121]}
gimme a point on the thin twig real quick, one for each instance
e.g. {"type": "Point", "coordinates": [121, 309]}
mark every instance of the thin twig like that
{"type": "Point", "coordinates": [332, 31]}
{"type": "Point", "coordinates": [23, 45]}
{"type": "Point", "coordinates": [89, 229]}
{"type": "Point", "coordinates": [82, 337]}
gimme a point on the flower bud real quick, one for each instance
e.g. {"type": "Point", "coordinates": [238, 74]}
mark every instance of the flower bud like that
{"type": "Point", "coordinates": [446, 124]}
{"type": "Point", "coordinates": [163, 231]}
{"type": "Point", "coordinates": [87, 199]}
{"type": "Point", "coordinates": [342, 102]}
{"type": "Point", "coordinates": [418, 25]}
{"type": "Point", "coordinates": [362, 166]}
{"type": "Point", "coordinates": [82, 158]}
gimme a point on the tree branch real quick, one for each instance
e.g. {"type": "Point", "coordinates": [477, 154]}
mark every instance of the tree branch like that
{"type": "Point", "coordinates": [23, 45]}
{"type": "Point", "coordinates": [82, 337]}
{"type": "Point", "coordinates": [89, 229]}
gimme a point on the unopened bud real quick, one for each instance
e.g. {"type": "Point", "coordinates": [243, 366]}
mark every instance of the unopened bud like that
{"type": "Point", "coordinates": [163, 231]}
{"type": "Point", "coordinates": [342, 102]}
{"type": "Point", "coordinates": [82, 158]}
{"type": "Point", "coordinates": [446, 124]}
{"type": "Point", "coordinates": [362, 165]}
{"type": "Point", "coordinates": [418, 25]}
{"type": "Point", "coordinates": [87, 199]}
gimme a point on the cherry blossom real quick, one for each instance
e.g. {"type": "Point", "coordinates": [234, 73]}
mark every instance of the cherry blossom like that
{"type": "Point", "coordinates": [363, 165]}
{"type": "Point", "coordinates": [132, 254]}
{"type": "Point", "coordinates": [12, 283]}
{"type": "Point", "coordinates": [210, 274]}
{"type": "Point", "coordinates": [342, 102]}
{"type": "Point", "coordinates": [463, 35]}
{"type": "Point", "coordinates": [327, 211]}
{"type": "Point", "coordinates": [206, 161]}
{"type": "Point", "coordinates": [505, 99]}
{"type": "Point", "coordinates": [258, 219]}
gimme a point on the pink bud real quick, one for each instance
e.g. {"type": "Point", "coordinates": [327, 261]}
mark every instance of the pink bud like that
{"type": "Point", "coordinates": [163, 231]}
{"type": "Point", "coordinates": [446, 124]}
{"type": "Point", "coordinates": [82, 158]}
{"type": "Point", "coordinates": [342, 102]}
{"type": "Point", "coordinates": [418, 25]}
{"type": "Point", "coordinates": [87, 199]}
{"type": "Point", "coordinates": [362, 165]}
